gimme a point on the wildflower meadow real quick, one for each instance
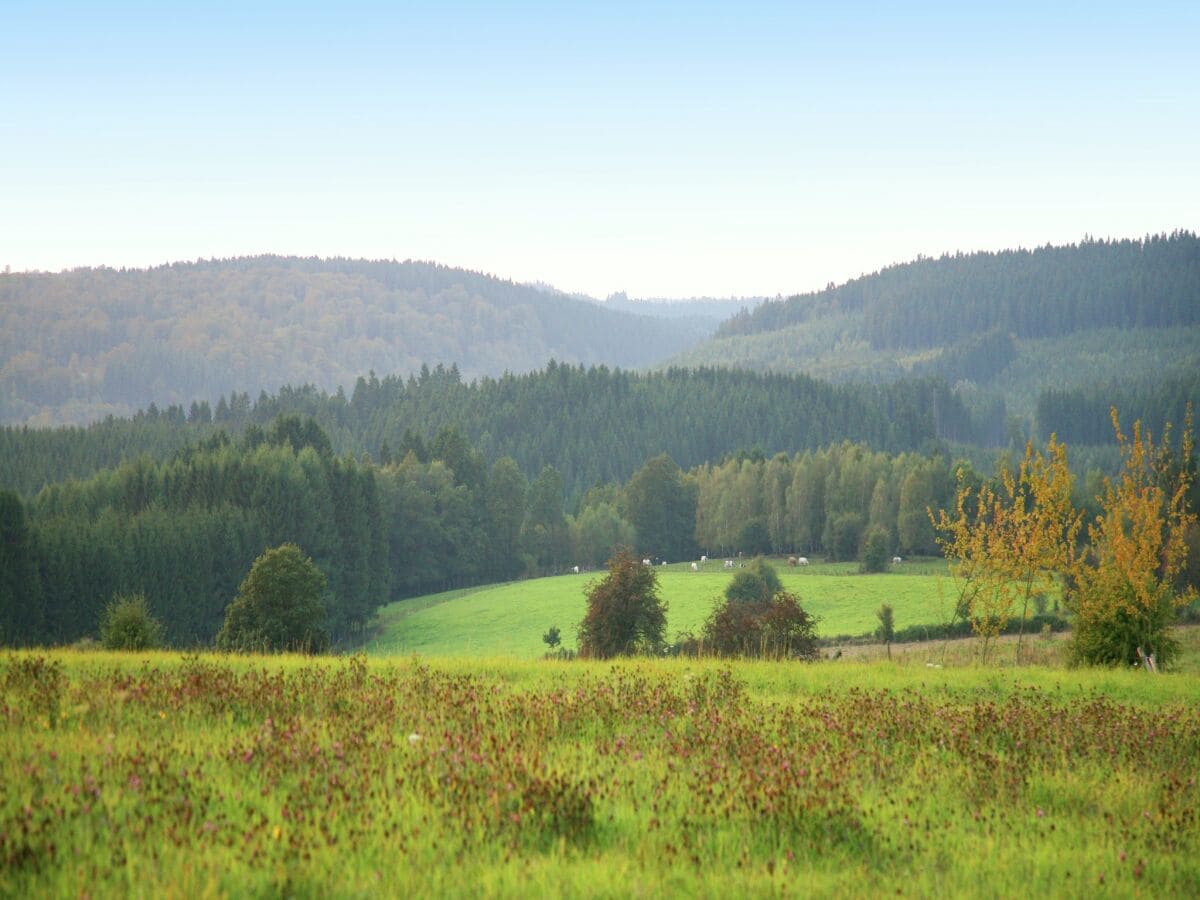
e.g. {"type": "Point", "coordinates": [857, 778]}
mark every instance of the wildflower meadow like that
{"type": "Point", "coordinates": [165, 775]}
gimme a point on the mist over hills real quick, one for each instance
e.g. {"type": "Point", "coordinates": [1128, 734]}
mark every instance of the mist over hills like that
{"type": "Point", "coordinates": [82, 344]}
{"type": "Point", "coordinates": [711, 309]}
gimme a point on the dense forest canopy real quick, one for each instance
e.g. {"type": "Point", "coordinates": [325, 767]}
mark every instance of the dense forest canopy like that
{"type": "Point", "coordinates": [425, 478]}
{"type": "Point", "coordinates": [183, 531]}
{"type": "Point", "coordinates": [1045, 292]}
{"type": "Point", "coordinates": [1000, 327]}
{"type": "Point", "coordinates": [1083, 415]}
{"type": "Point", "coordinates": [594, 425]}
{"type": "Point", "coordinates": [79, 345]}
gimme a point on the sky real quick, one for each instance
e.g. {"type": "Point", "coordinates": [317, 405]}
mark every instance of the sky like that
{"type": "Point", "coordinates": [662, 149]}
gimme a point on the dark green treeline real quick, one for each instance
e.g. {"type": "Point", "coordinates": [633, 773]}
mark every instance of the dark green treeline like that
{"type": "Point", "coordinates": [1082, 416]}
{"type": "Point", "coordinates": [1049, 291]}
{"type": "Point", "coordinates": [184, 532]}
{"type": "Point", "coordinates": [593, 425]}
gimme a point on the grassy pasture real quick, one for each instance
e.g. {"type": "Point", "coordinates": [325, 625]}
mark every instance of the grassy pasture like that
{"type": "Point", "coordinates": [509, 619]}
{"type": "Point", "coordinates": [161, 775]}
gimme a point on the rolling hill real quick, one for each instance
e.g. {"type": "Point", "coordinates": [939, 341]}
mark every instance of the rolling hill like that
{"type": "Point", "coordinates": [1007, 325]}
{"type": "Point", "coordinates": [79, 345]}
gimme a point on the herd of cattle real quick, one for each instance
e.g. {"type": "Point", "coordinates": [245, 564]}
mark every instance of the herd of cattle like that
{"type": "Point", "coordinates": [793, 562]}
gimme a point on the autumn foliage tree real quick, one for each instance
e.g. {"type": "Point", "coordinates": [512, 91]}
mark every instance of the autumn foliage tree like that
{"type": "Point", "coordinates": [1010, 540]}
{"type": "Point", "coordinates": [1126, 590]}
{"type": "Point", "coordinates": [1039, 525]}
{"type": "Point", "coordinates": [625, 614]}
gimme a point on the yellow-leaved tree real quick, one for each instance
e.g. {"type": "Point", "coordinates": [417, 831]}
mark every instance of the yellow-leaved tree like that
{"type": "Point", "coordinates": [1037, 526]}
{"type": "Point", "coordinates": [1125, 595]}
{"type": "Point", "coordinates": [1008, 542]}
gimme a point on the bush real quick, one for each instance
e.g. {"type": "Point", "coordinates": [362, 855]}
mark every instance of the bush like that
{"type": "Point", "coordinates": [875, 556]}
{"type": "Point", "coordinates": [886, 631]}
{"type": "Point", "coordinates": [1113, 640]}
{"type": "Point", "coordinates": [278, 606]}
{"type": "Point", "coordinates": [625, 614]}
{"type": "Point", "coordinates": [757, 583]}
{"type": "Point", "coordinates": [127, 624]}
{"type": "Point", "coordinates": [957, 629]}
{"type": "Point", "coordinates": [777, 628]}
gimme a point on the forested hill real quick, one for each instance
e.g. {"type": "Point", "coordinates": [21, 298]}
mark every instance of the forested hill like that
{"type": "Point", "coordinates": [593, 425]}
{"type": "Point", "coordinates": [1051, 291]}
{"type": "Point", "coordinates": [79, 345]}
{"type": "Point", "coordinates": [999, 326]}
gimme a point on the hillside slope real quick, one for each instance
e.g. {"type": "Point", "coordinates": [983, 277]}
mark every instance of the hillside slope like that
{"type": "Point", "coordinates": [79, 345]}
{"type": "Point", "coordinates": [1011, 324]}
{"type": "Point", "coordinates": [510, 619]}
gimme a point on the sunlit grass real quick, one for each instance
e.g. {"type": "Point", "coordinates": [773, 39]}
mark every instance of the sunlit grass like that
{"type": "Point", "coordinates": [158, 774]}
{"type": "Point", "coordinates": [511, 618]}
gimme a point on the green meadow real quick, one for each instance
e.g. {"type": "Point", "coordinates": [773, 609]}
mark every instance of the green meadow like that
{"type": "Point", "coordinates": [160, 775]}
{"type": "Point", "coordinates": [509, 619]}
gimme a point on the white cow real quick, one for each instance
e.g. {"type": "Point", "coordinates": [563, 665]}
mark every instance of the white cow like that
{"type": "Point", "coordinates": [704, 559]}
{"type": "Point", "coordinates": [575, 569]}
{"type": "Point", "coordinates": [896, 560]}
{"type": "Point", "coordinates": [729, 563]}
{"type": "Point", "coordinates": [664, 562]}
{"type": "Point", "coordinates": [802, 561]}
{"type": "Point", "coordinates": [695, 568]}
{"type": "Point", "coordinates": [645, 562]}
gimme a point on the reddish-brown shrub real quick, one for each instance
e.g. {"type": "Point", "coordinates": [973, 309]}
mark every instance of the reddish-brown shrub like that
{"type": "Point", "coordinates": [625, 614]}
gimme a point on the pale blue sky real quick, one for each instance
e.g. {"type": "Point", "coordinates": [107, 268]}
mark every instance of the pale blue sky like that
{"type": "Point", "coordinates": [659, 148]}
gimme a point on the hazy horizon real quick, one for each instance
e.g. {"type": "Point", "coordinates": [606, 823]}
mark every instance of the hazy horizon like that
{"type": "Point", "coordinates": [664, 150]}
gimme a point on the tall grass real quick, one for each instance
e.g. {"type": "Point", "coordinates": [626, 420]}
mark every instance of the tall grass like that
{"type": "Point", "coordinates": [155, 774]}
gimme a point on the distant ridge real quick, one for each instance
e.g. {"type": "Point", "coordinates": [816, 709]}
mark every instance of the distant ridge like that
{"type": "Point", "coordinates": [79, 345]}
{"type": "Point", "coordinates": [1050, 291]}
{"type": "Point", "coordinates": [1004, 326]}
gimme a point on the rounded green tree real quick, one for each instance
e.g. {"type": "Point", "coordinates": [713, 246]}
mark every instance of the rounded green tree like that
{"type": "Point", "coordinates": [127, 624]}
{"type": "Point", "coordinates": [757, 583]}
{"type": "Point", "coordinates": [876, 554]}
{"type": "Point", "coordinates": [278, 606]}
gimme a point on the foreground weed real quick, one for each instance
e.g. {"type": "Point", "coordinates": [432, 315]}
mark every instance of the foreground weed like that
{"type": "Point", "coordinates": [206, 775]}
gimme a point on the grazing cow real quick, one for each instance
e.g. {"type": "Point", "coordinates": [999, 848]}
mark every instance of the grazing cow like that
{"type": "Point", "coordinates": [802, 561]}
{"type": "Point", "coordinates": [575, 569]}
{"type": "Point", "coordinates": [896, 560]}
{"type": "Point", "coordinates": [792, 561]}
{"type": "Point", "coordinates": [695, 567]}
{"type": "Point", "coordinates": [664, 562]}
{"type": "Point", "coordinates": [729, 563]}
{"type": "Point", "coordinates": [645, 562]}
{"type": "Point", "coordinates": [704, 559]}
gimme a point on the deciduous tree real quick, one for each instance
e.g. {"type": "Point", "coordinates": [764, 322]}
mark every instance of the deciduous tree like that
{"type": "Point", "coordinates": [1004, 542]}
{"type": "Point", "coordinates": [625, 613]}
{"type": "Point", "coordinates": [278, 606]}
{"type": "Point", "coordinates": [1125, 594]}
{"type": "Point", "coordinates": [127, 624]}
